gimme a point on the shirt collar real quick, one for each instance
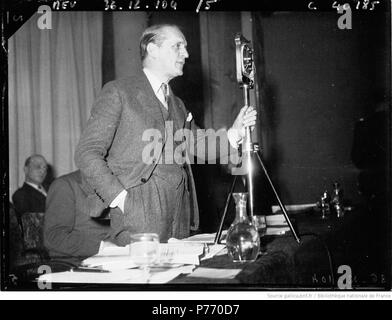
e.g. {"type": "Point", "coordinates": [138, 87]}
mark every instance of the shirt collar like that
{"type": "Point", "coordinates": [35, 186]}
{"type": "Point", "coordinates": [154, 80]}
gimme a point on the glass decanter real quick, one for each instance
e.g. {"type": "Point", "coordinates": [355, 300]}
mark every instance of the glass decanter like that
{"type": "Point", "coordinates": [242, 241]}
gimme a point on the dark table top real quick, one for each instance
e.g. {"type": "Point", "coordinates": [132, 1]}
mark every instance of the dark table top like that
{"type": "Point", "coordinates": [326, 245]}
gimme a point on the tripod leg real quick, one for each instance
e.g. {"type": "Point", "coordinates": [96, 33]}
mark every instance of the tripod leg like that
{"type": "Point", "coordinates": [278, 198]}
{"type": "Point", "coordinates": [219, 232]}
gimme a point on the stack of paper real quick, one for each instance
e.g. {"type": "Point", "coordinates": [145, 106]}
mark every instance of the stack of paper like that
{"type": "Point", "coordinates": [131, 276]}
{"type": "Point", "coordinates": [207, 240]}
{"type": "Point", "coordinates": [181, 252]}
{"type": "Point", "coordinates": [113, 264]}
{"type": "Point", "coordinates": [108, 248]}
{"type": "Point", "coordinates": [295, 208]}
{"type": "Point", "coordinates": [276, 224]}
{"type": "Point", "coordinates": [111, 257]}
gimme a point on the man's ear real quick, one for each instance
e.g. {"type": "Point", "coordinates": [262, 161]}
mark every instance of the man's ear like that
{"type": "Point", "coordinates": [26, 170]}
{"type": "Point", "coordinates": [152, 50]}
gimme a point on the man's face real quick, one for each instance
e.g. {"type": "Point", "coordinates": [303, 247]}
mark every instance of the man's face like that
{"type": "Point", "coordinates": [172, 53]}
{"type": "Point", "coordinates": [36, 170]}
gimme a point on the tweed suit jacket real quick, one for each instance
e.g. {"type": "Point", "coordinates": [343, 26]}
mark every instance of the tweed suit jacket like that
{"type": "Point", "coordinates": [109, 153]}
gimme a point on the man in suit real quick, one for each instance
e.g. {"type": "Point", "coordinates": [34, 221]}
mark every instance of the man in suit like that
{"type": "Point", "coordinates": [70, 234]}
{"type": "Point", "coordinates": [150, 193]}
{"type": "Point", "coordinates": [31, 196]}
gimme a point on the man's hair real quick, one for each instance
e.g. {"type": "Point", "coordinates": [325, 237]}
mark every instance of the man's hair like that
{"type": "Point", "coordinates": [28, 160]}
{"type": "Point", "coordinates": [153, 34]}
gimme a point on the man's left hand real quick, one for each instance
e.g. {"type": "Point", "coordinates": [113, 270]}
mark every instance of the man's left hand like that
{"type": "Point", "coordinates": [246, 118]}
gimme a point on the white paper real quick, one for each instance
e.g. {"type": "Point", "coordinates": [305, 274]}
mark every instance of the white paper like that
{"type": "Point", "coordinates": [272, 231]}
{"type": "Point", "coordinates": [180, 252]}
{"type": "Point", "coordinates": [135, 276]}
{"type": "Point", "coordinates": [295, 207]}
{"type": "Point", "coordinates": [202, 238]}
{"type": "Point", "coordinates": [107, 248]}
{"type": "Point", "coordinates": [112, 257]}
{"type": "Point", "coordinates": [213, 273]}
{"type": "Point", "coordinates": [110, 262]}
{"type": "Point", "coordinates": [275, 220]}
{"type": "Point", "coordinates": [213, 250]}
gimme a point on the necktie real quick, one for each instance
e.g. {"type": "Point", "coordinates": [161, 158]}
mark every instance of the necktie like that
{"type": "Point", "coordinates": [165, 90]}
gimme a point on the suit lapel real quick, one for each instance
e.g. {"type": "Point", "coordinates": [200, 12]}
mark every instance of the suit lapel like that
{"type": "Point", "coordinates": [147, 98]}
{"type": "Point", "coordinates": [178, 115]}
{"type": "Point", "coordinates": [34, 192]}
{"type": "Point", "coordinates": [150, 104]}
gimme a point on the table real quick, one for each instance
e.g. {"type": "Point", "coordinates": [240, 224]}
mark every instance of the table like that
{"type": "Point", "coordinates": [325, 246]}
{"type": "Point", "coordinates": [328, 250]}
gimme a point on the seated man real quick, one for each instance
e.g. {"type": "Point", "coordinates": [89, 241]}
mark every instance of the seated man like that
{"type": "Point", "coordinates": [32, 195]}
{"type": "Point", "coordinates": [70, 234]}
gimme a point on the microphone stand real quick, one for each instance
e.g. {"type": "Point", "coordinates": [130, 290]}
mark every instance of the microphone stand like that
{"type": "Point", "coordinates": [245, 75]}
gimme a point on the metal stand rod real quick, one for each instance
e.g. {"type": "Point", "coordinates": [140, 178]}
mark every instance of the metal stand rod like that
{"type": "Point", "coordinates": [247, 150]}
{"type": "Point", "coordinates": [219, 233]}
{"type": "Point", "coordinates": [278, 198]}
{"type": "Point", "coordinates": [245, 77]}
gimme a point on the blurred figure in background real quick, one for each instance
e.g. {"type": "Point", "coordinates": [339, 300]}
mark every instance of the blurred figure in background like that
{"type": "Point", "coordinates": [32, 195]}
{"type": "Point", "coordinates": [70, 234]}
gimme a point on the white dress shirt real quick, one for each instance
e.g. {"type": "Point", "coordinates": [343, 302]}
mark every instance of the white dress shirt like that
{"type": "Point", "coordinates": [37, 187]}
{"type": "Point", "coordinates": [156, 85]}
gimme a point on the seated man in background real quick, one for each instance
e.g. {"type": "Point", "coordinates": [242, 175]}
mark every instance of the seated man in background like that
{"type": "Point", "coordinates": [32, 195]}
{"type": "Point", "coordinates": [70, 234]}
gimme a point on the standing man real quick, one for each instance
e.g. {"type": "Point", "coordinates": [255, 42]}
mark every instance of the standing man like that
{"type": "Point", "coordinates": [153, 195]}
{"type": "Point", "coordinates": [32, 195]}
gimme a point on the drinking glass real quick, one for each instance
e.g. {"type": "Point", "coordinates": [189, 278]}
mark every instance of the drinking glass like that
{"type": "Point", "coordinates": [144, 250]}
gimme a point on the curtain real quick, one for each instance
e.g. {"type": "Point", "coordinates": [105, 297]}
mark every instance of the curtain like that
{"type": "Point", "coordinates": [121, 34]}
{"type": "Point", "coordinates": [53, 78]}
{"type": "Point", "coordinates": [127, 29]}
{"type": "Point", "coordinates": [222, 96]}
